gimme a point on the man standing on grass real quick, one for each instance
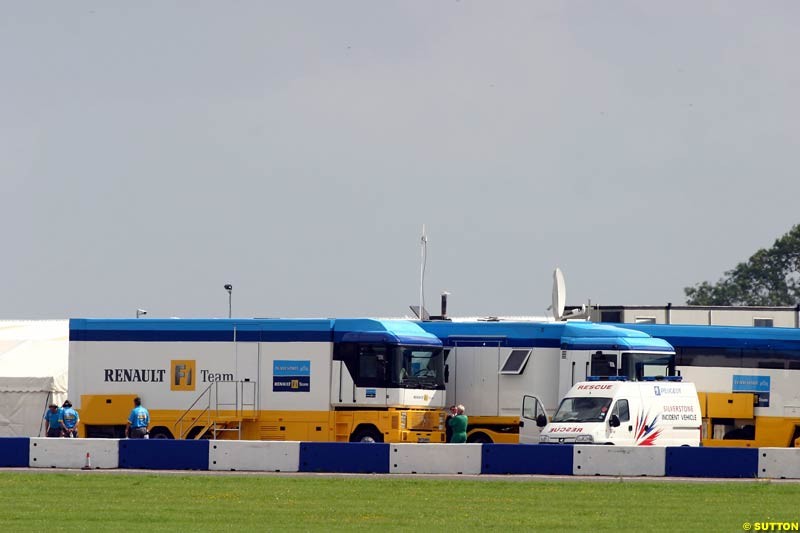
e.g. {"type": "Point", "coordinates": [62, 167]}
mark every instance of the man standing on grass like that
{"type": "Point", "coordinates": [138, 421]}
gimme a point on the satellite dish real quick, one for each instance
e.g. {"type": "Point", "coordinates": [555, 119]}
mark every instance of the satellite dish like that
{"type": "Point", "coordinates": [559, 294]}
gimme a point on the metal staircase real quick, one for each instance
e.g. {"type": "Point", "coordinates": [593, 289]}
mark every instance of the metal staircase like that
{"type": "Point", "coordinates": [220, 408]}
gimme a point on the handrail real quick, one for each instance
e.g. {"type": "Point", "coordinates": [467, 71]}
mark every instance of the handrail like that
{"type": "Point", "coordinates": [207, 390]}
{"type": "Point", "coordinates": [212, 414]}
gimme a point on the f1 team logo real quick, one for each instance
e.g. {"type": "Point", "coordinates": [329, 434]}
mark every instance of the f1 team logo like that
{"type": "Point", "coordinates": [183, 374]}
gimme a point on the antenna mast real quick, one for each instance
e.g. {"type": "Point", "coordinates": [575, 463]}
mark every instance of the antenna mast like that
{"type": "Point", "coordinates": [424, 245]}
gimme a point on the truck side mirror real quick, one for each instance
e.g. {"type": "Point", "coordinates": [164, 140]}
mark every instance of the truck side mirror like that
{"type": "Point", "coordinates": [447, 373]}
{"type": "Point", "coordinates": [613, 421]}
{"type": "Point", "coordinates": [541, 421]}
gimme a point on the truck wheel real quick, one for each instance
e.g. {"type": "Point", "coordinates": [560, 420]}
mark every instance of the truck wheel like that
{"type": "Point", "coordinates": [366, 435]}
{"type": "Point", "coordinates": [794, 442]}
{"type": "Point", "coordinates": [160, 433]}
{"type": "Point", "coordinates": [479, 438]}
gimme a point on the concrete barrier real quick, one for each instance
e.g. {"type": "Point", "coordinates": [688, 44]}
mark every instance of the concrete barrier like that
{"type": "Point", "coordinates": [14, 451]}
{"type": "Point", "coordinates": [71, 453]}
{"type": "Point", "coordinates": [344, 457]}
{"type": "Point", "coordinates": [544, 459]}
{"type": "Point", "coordinates": [262, 456]}
{"type": "Point", "coordinates": [551, 459]}
{"type": "Point", "coordinates": [779, 463]}
{"type": "Point", "coordinates": [163, 454]}
{"type": "Point", "coordinates": [435, 459]}
{"type": "Point", "coordinates": [689, 461]}
{"type": "Point", "coordinates": [599, 460]}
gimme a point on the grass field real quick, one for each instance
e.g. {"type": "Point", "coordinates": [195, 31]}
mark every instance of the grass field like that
{"type": "Point", "coordinates": [78, 501]}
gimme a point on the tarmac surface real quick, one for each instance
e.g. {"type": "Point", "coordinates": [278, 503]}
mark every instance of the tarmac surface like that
{"type": "Point", "coordinates": [447, 477]}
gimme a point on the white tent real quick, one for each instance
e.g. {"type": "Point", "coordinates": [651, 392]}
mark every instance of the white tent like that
{"type": "Point", "coordinates": [34, 357]}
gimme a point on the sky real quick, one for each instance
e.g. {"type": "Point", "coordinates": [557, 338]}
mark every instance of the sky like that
{"type": "Point", "coordinates": [152, 152]}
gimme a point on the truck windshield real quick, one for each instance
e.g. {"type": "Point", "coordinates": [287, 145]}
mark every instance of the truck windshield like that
{"type": "Point", "coordinates": [582, 410]}
{"type": "Point", "coordinates": [638, 365]}
{"type": "Point", "coordinates": [418, 367]}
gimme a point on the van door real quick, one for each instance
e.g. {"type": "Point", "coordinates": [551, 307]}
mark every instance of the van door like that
{"type": "Point", "coordinates": [622, 435]}
{"type": "Point", "coordinates": [529, 431]}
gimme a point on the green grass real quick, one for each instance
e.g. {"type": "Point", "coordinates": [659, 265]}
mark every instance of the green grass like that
{"type": "Point", "coordinates": [126, 502]}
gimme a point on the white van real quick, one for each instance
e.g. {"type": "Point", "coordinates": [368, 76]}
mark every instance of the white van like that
{"type": "Point", "coordinates": [638, 413]}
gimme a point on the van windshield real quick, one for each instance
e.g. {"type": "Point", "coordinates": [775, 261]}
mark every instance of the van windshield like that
{"type": "Point", "coordinates": [582, 410]}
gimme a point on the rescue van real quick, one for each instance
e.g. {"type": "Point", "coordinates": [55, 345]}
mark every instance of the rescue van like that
{"type": "Point", "coordinates": [644, 413]}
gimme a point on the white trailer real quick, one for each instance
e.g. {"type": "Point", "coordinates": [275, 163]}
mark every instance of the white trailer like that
{"type": "Point", "coordinates": [260, 379]}
{"type": "Point", "coordinates": [507, 374]}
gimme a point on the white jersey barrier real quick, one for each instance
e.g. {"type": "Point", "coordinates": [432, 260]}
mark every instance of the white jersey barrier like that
{"type": "Point", "coordinates": [598, 460]}
{"type": "Point", "coordinates": [435, 458]}
{"type": "Point", "coordinates": [493, 459]}
{"type": "Point", "coordinates": [778, 463]}
{"type": "Point", "coordinates": [261, 456]}
{"type": "Point", "coordinates": [73, 453]}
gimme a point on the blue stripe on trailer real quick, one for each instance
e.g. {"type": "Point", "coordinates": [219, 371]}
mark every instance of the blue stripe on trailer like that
{"type": "Point", "coordinates": [199, 336]}
{"type": "Point", "coordinates": [546, 459]}
{"type": "Point", "coordinates": [251, 330]}
{"type": "Point", "coordinates": [688, 461]}
{"type": "Point", "coordinates": [15, 451]}
{"type": "Point", "coordinates": [201, 330]}
{"type": "Point", "coordinates": [163, 454]}
{"type": "Point", "coordinates": [344, 457]}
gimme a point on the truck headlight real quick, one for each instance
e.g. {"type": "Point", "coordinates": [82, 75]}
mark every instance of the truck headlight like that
{"type": "Point", "coordinates": [544, 438]}
{"type": "Point", "coordinates": [586, 439]}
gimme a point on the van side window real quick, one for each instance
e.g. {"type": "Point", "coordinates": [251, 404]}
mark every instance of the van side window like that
{"type": "Point", "coordinates": [621, 410]}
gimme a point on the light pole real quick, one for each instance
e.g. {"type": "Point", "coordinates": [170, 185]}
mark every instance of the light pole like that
{"type": "Point", "coordinates": [140, 312]}
{"type": "Point", "coordinates": [229, 288]}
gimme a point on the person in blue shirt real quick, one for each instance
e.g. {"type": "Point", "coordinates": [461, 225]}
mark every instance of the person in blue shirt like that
{"type": "Point", "coordinates": [55, 422]}
{"type": "Point", "coordinates": [138, 421]}
{"type": "Point", "coordinates": [71, 419]}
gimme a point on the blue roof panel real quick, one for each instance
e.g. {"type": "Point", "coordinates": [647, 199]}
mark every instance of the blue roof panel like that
{"type": "Point", "coordinates": [723, 336]}
{"type": "Point", "coordinates": [392, 331]}
{"type": "Point", "coordinates": [573, 335]}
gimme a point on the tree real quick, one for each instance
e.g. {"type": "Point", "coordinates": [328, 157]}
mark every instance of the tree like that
{"type": "Point", "coordinates": [770, 277]}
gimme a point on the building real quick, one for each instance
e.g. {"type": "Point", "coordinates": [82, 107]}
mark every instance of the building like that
{"type": "Point", "coordinates": [779, 317]}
